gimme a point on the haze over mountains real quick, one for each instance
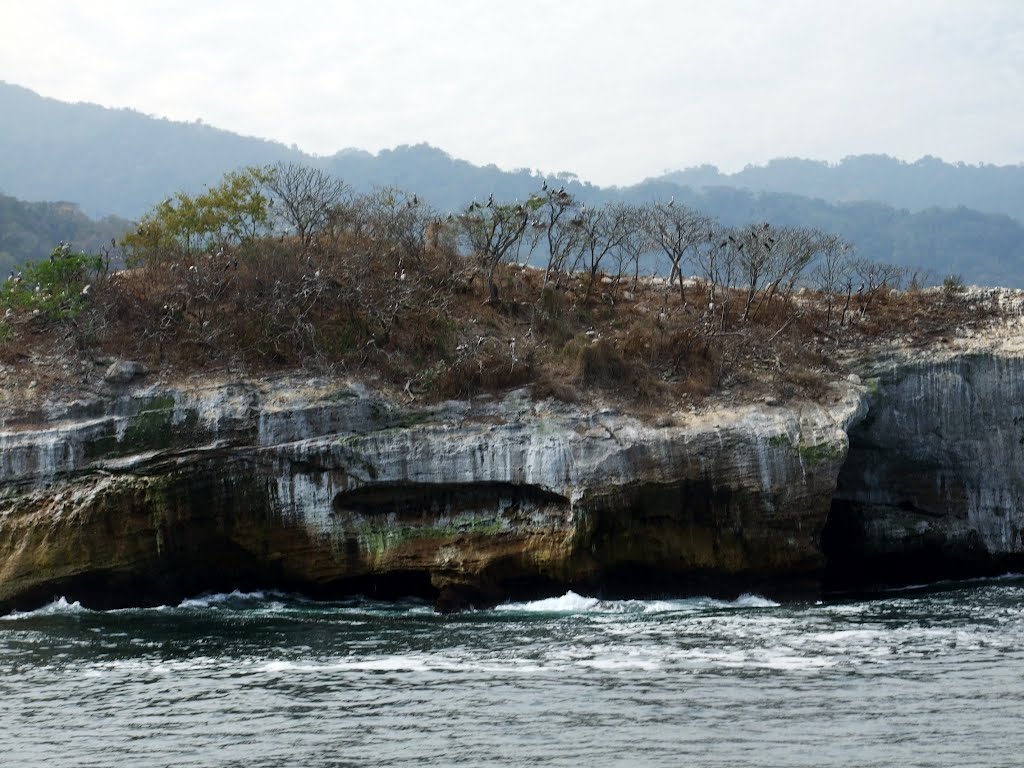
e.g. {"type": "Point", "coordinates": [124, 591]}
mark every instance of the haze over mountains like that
{"type": "Point", "coordinates": [950, 218]}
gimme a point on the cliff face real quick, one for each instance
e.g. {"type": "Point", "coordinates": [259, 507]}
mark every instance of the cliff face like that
{"type": "Point", "coordinates": [330, 488]}
{"type": "Point", "coordinates": [934, 483]}
{"type": "Point", "coordinates": [150, 494]}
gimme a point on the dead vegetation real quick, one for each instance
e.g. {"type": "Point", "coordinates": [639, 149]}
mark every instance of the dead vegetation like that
{"type": "Point", "coordinates": [386, 289]}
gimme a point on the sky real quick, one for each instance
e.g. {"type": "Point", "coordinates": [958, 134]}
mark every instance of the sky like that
{"type": "Point", "coordinates": [612, 91]}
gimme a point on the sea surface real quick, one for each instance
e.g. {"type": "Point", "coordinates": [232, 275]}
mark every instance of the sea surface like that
{"type": "Point", "coordinates": [930, 676]}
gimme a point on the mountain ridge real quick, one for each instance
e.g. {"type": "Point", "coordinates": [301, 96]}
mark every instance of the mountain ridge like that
{"type": "Point", "coordinates": [124, 162]}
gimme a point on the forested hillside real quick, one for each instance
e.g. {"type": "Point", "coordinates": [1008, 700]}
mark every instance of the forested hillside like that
{"type": "Point", "coordinates": [29, 231]}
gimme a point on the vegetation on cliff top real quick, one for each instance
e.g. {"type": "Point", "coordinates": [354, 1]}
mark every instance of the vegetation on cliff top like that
{"type": "Point", "coordinates": [284, 268]}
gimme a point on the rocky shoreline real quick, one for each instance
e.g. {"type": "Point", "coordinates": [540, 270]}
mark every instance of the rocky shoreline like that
{"type": "Point", "coordinates": [150, 492]}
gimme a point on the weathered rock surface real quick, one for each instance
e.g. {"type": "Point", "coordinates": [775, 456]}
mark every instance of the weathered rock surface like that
{"type": "Point", "coordinates": [934, 483]}
{"type": "Point", "coordinates": [149, 494]}
{"type": "Point", "coordinates": [330, 488]}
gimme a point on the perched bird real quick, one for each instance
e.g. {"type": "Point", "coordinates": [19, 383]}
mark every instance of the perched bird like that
{"type": "Point", "coordinates": [544, 186]}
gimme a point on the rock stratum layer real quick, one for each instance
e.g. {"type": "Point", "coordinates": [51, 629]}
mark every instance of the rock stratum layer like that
{"type": "Point", "coordinates": [150, 494]}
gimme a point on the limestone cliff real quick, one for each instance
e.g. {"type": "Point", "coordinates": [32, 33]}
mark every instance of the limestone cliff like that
{"type": "Point", "coordinates": [328, 487]}
{"type": "Point", "coordinates": [150, 493]}
{"type": "Point", "coordinates": [934, 483]}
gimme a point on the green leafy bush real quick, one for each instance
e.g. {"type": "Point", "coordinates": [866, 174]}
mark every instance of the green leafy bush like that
{"type": "Point", "coordinates": [56, 289]}
{"type": "Point", "coordinates": [953, 284]}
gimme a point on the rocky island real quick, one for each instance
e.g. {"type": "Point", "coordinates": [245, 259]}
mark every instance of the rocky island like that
{"type": "Point", "coordinates": [477, 435]}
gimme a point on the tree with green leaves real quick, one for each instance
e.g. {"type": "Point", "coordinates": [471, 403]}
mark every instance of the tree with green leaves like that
{"type": "Point", "coordinates": [230, 214]}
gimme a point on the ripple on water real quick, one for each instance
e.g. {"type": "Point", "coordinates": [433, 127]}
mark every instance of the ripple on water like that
{"type": "Point", "coordinates": [261, 679]}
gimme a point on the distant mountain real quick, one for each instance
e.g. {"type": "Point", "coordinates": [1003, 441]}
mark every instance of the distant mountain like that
{"type": "Point", "coordinates": [447, 183]}
{"type": "Point", "coordinates": [30, 231]}
{"type": "Point", "coordinates": [112, 161]}
{"type": "Point", "coordinates": [948, 218]}
{"type": "Point", "coordinates": [926, 183]}
{"type": "Point", "coordinates": [119, 161]}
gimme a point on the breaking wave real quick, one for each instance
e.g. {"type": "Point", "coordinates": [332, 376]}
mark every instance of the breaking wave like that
{"type": "Point", "coordinates": [573, 603]}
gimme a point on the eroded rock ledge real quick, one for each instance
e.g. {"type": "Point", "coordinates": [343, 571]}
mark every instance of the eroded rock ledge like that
{"type": "Point", "coordinates": [151, 494]}
{"type": "Point", "coordinates": [328, 487]}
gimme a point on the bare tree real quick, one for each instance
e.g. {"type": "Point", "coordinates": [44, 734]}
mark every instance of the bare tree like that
{"type": "Point", "coordinates": [676, 230]}
{"type": "Point", "coordinates": [832, 271]}
{"type": "Point", "coordinates": [603, 231]}
{"type": "Point", "coordinates": [304, 198]}
{"type": "Point", "coordinates": [754, 253]}
{"type": "Point", "coordinates": [790, 251]}
{"type": "Point", "coordinates": [495, 232]}
{"type": "Point", "coordinates": [635, 244]}
{"type": "Point", "coordinates": [550, 228]}
{"type": "Point", "coordinates": [395, 221]}
{"type": "Point", "coordinates": [875, 279]}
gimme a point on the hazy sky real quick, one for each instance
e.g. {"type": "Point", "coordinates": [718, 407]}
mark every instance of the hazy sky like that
{"type": "Point", "coordinates": [614, 91]}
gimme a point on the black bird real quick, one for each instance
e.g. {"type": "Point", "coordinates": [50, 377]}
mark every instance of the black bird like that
{"type": "Point", "coordinates": [544, 186]}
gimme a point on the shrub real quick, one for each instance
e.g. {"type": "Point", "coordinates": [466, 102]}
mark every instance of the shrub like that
{"type": "Point", "coordinates": [601, 364]}
{"type": "Point", "coordinates": [56, 289]}
{"type": "Point", "coordinates": [953, 284]}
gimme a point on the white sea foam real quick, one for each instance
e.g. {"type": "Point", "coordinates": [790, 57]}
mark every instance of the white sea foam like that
{"type": "Point", "coordinates": [570, 602]}
{"type": "Point", "coordinates": [60, 606]}
{"type": "Point", "coordinates": [211, 601]}
{"type": "Point", "coordinates": [749, 600]}
{"type": "Point", "coordinates": [615, 665]}
{"type": "Point", "coordinates": [373, 664]}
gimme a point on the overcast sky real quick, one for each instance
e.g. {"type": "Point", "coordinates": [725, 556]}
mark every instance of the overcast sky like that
{"type": "Point", "coordinates": [614, 91]}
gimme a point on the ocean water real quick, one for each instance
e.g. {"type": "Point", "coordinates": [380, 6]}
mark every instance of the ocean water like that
{"type": "Point", "coordinates": [932, 676]}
